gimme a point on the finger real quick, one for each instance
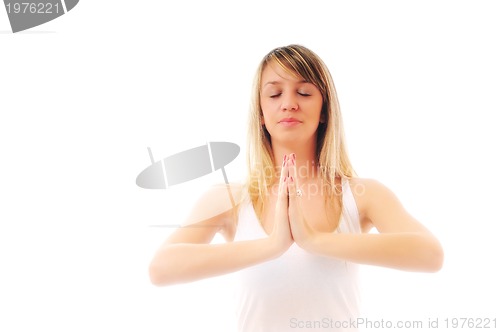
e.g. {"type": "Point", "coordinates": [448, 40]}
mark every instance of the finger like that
{"type": "Point", "coordinates": [292, 182]}
{"type": "Point", "coordinates": [282, 188]}
{"type": "Point", "coordinates": [293, 204]}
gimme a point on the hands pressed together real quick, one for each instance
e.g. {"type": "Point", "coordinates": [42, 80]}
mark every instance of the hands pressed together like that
{"type": "Point", "coordinates": [290, 225]}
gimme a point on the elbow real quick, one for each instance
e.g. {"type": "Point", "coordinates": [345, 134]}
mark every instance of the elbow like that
{"type": "Point", "coordinates": [166, 268]}
{"type": "Point", "coordinates": [434, 258]}
{"type": "Point", "coordinates": [157, 275]}
{"type": "Point", "coordinates": [438, 259]}
{"type": "Point", "coordinates": [424, 255]}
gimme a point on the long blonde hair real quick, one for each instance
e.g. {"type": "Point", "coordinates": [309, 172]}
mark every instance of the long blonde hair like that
{"type": "Point", "coordinates": [331, 154]}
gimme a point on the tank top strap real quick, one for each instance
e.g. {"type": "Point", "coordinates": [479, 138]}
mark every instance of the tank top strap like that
{"type": "Point", "coordinates": [349, 223]}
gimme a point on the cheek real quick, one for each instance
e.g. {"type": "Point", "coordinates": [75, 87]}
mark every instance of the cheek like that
{"type": "Point", "coordinates": [319, 107]}
{"type": "Point", "coordinates": [266, 111]}
{"type": "Point", "coordinates": [265, 120]}
{"type": "Point", "coordinates": [263, 116]}
{"type": "Point", "coordinates": [265, 105]}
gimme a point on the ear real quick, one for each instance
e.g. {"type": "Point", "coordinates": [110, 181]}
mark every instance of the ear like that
{"type": "Point", "coordinates": [322, 118]}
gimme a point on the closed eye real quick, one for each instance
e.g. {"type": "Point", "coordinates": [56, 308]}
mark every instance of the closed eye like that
{"type": "Point", "coordinates": [301, 93]}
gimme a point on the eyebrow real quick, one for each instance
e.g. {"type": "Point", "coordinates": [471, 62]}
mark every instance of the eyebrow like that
{"type": "Point", "coordinates": [278, 82]}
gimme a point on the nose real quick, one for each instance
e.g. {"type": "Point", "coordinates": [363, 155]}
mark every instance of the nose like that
{"type": "Point", "coordinates": [289, 103]}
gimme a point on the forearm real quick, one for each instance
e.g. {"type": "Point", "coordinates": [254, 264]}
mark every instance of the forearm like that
{"type": "Point", "coordinates": [404, 251]}
{"type": "Point", "coordinates": [185, 262]}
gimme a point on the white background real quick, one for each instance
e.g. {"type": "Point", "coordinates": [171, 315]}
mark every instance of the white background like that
{"type": "Point", "coordinates": [83, 96]}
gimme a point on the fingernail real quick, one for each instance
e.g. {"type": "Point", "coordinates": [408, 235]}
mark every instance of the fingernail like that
{"type": "Point", "coordinates": [284, 160]}
{"type": "Point", "coordinates": [291, 178]}
{"type": "Point", "coordinates": [284, 179]}
{"type": "Point", "coordinates": [293, 156]}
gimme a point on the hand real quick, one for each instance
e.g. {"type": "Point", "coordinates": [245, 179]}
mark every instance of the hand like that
{"type": "Point", "coordinates": [302, 233]}
{"type": "Point", "coordinates": [281, 234]}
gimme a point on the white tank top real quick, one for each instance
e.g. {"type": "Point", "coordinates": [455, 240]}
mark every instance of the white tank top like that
{"type": "Point", "coordinates": [298, 291]}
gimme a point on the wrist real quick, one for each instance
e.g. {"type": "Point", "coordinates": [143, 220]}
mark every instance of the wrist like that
{"type": "Point", "coordinates": [276, 246]}
{"type": "Point", "coordinates": [312, 243]}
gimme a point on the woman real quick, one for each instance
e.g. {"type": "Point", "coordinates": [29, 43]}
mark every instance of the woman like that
{"type": "Point", "coordinates": [302, 223]}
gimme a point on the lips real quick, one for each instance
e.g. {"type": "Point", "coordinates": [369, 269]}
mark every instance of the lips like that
{"type": "Point", "coordinates": [289, 120]}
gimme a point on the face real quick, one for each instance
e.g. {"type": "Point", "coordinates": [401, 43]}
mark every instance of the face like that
{"type": "Point", "coordinates": [291, 107]}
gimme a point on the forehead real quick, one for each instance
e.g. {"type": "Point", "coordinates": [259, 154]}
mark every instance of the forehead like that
{"type": "Point", "coordinates": [274, 72]}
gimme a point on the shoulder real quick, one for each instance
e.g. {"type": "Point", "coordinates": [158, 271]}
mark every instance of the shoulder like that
{"type": "Point", "coordinates": [367, 190]}
{"type": "Point", "coordinates": [370, 193]}
{"type": "Point", "coordinates": [218, 205]}
{"type": "Point", "coordinates": [218, 200]}
{"type": "Point", "coordinates": [363, 185]}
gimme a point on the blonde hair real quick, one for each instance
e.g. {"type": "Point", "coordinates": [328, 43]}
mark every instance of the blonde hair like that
{"type": "Point", "coordinates": [331, 154]}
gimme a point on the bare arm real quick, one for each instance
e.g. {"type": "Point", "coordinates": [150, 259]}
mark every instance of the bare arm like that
{"type": "Point", "coordinates": [185, 262]}
{"type": "Point", "coordinates": [412, 251]}
{"type": "Point", "coordinates": [188, 255]}
{"type": "Point", "coordinates": [402, 243]}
